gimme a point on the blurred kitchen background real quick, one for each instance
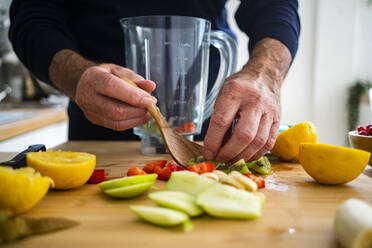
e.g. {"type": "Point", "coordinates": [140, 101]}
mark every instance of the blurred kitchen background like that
{"type": "Point", "coordinates": [327, 83]}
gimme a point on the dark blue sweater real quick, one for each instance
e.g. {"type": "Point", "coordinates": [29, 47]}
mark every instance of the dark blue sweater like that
{"type": "Point", "coordinates": [40, 28]}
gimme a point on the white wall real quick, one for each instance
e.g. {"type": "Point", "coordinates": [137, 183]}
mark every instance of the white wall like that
{"type": "Point", "coordinates": [335, 49]}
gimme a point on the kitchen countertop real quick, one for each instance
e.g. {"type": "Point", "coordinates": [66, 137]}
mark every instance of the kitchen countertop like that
{"type": "Point", "coordinates": [298, 212]}
{"type": "Point", "coordinates": [31, 119]}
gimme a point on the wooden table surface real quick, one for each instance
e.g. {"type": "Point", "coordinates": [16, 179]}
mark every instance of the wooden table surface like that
{"type": "Point", "coordinates": [39, 118]}
{"type": "Point", "coordinates": [298, 212]}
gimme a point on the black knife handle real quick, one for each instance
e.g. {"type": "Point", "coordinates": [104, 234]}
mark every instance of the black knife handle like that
{"type": "Point", "coordinates": [19, 160]}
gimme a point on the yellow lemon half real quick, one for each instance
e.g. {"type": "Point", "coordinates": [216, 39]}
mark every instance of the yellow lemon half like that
{"type": "Point", "coordinates": [288, 142]}
{"type": "Point", "coordinates": [67, 169]}
{"type": "Point", "coordinates": [330, 164]}
{"type": "Point", "coordinates": [21, 189]}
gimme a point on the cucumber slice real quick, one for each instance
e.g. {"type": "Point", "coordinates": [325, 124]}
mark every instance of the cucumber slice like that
{"type": "Point", "coordinates": [188, 182]}
{"type": "Point", "coordinates": [129, 191]}
{"type": "Point", "coordinates": [160, 216]}
{"type": "Point", "coordinates": [125, 181]}
{"type": "Point", "coordinates": [225, 201]}
{"type": "Point", "coordinates": [177, 200]}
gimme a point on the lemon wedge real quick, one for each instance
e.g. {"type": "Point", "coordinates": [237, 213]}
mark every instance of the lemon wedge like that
{"type": "Point", "coordinates": [288, 142]}
{"type": "Point", "coordinates": [21, 189]}
{"type": "Point", "coordinates": [67, 169]}
{"type": "Point", "coordinates": [329, 164]}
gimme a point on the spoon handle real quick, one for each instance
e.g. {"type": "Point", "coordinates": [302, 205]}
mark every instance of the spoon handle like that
{"type": "Point", "coordinates": [153, 109]}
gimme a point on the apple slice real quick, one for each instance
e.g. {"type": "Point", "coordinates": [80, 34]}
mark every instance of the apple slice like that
{"type": "Point", "coordinates": [188, 182]}
{"type": "Point", "coordinates": [228, 202]}
{"type": "Point", "coordinates": [177, 200]}
{"type": "Point", "coordinates": [125, 181]}
{"type": "Point", "coordinates": [129, 191]}
{"type": "Point", "coordinates": [160, 216]}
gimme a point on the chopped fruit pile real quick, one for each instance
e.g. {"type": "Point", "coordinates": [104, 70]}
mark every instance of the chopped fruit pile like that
{"type": "Point", "coordinates": [189, 195]}
{"type": "Point", "coordinates": [366, 131]}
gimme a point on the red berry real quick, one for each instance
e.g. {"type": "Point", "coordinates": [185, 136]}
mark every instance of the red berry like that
{"type": "Point", "coordinates": [361, 129]}
{"type": "Point", "coordinates": [365, 133]}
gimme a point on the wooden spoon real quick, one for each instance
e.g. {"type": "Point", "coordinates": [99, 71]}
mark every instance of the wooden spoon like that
{"type": "Point", "coordinates": [180, 148]}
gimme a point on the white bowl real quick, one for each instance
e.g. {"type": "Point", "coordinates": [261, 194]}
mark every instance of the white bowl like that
{"type": "Point", "coordinates": [361, 142]}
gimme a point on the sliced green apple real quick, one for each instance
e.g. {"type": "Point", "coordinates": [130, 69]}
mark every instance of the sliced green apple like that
{"type": "Point", "coordinates": [160, 216]}
{"type": "Point", "coordinates": [225, 201]}
{"type": "Point", "coordinates": [129, 191]}
{"type": "Point", "coordinates": [188, 182]}
{"type": "Point", "coordinates": [177, 200]}
{"type": "Point", "coordinates": [125, 181]}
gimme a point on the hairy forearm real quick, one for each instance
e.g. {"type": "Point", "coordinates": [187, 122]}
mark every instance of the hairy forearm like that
{"type": "Point", "coordinates": [66, 69]}
{"type": "Point", "coordinates": [269, 63]}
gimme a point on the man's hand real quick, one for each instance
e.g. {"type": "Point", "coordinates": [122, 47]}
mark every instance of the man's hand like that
{"type": "Point", "coordinates": [105, 99]}
{"type": "Point", "coordinates": [252, 98]}
{"type": "Point", "coordinates": [108, 101]}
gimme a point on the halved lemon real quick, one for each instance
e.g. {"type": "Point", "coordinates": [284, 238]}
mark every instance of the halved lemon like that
{"type": "Point", "coordinates": [21, 189]}
{"type": "Point", "coordinates": [67, 169]}
{"type": "Point", "coordinates": [288, 142]}
{"type": "Point", "coordinates": [330, 164]}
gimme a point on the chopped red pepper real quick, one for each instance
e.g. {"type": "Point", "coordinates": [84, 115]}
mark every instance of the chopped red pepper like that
{"type": "Point", "coordinates": [188, 127]}
{"type": "Point", "coordinates": [150, 167]}
{"type": "Point", "coordinates": [135, 171]}
{"type": "Point", "coordinates": [163, 173]}
{"type": "Point", "coordinates": [194, 168]}
{"type": "Point", "coordinates": [257, 179]}
{"type": "Point", "coordinates": [97, 176]}
{"type": "Point", "coordinates": [202, 167]}
{"type": "Point", "coordinates": [207, 166]}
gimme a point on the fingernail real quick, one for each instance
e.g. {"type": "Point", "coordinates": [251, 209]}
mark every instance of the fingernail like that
{"type": "Point", "coordinates": [208, 154]}
{"type": "Point", "coordinates": [148, 100]}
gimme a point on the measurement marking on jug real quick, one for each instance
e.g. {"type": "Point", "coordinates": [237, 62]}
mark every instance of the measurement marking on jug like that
{"type": "Point", "coordinates": [174, 43]}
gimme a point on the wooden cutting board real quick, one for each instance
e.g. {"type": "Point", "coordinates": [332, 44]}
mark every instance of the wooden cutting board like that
{"type": "Point", "coordinates": [298, 212]}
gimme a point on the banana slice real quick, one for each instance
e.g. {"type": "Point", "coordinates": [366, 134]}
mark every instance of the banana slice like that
{"type": "Point", "coordinates": [231, 181]}
{"type": "Point", "coordinates": [211, 175]}
{"type": "Point", "coordinates": [353, 224]}
{"type": "Point", "coordinates": [219, 173]}
{"type": "Point", "coordinates": [248, 183]}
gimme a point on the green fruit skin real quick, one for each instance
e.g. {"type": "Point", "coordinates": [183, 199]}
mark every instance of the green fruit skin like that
{"type": "Point", "coordinates": [160, 216]}
{"type": "Point", "coordinates": [225, 201]}
{"type": "Point", "coordinates": [177, 200]}
{"type": "Point", "coordinates": [125, 181]}
{"type": "Point", "coordinates": [129, 191]}
{"type": "Point", "coordinates": [261, 166]}
{"type": "Point", "coordinates": [188, 182]}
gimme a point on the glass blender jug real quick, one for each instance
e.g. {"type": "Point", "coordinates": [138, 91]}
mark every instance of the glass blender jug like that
{"type": "Point", "coordinates": [173, 51]}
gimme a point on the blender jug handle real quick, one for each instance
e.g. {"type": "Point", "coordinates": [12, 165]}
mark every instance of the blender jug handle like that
{"type": "Point", "coordinates": [227, 48]}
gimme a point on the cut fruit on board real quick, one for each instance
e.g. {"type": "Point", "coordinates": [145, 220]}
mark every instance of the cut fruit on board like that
{"type": "Point", "coordinates": [129, 191]}
{"type": "Point", "coordinates": [126, 181]}
{"type": "Point", "coordinates": [225, 201]}
{"type": "Point", "coordinates": [160, 216]}
{"type": "Point", "coordinates": [177, 200]}
{"type": "Point", "coordinates": [188, 182]}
